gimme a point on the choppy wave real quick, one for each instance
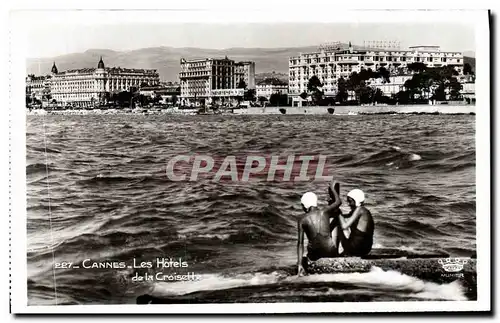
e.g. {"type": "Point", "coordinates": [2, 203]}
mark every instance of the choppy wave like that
{"type": "Point", "coordinates": [32, 169]}
{"type": "Point", "coordinates": [394, 157]}
{"type": "Point", "coordinates": [376, 280]}
{"type": "Point", "coordinates": [110, 200]}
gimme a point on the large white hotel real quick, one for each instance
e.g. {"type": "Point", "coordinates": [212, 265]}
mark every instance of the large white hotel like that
{"type": "Point", "coordinates": [331, 63]}
{"type": "Point", "coordinates": [211, 80]}
{"type": "Point", "coordinates": [88, 86]}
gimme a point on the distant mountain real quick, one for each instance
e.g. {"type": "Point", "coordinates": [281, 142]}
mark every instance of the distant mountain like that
{"type": "Point", "coordinates": [167, 59]}
{"type": "Point", "coordinates": [262, 76]}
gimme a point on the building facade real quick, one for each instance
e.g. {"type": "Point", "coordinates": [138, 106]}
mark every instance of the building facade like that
{"type": "Point", "coordinates": [396, 83]}
{"type": "Point", "coordinates": [89, 86]}
{"type": "Point", "coordinates": [169, 92]}
{"type": "Point", "coordinates": [172, 88]}
{"type": "Point", "coordinates": [38, 87]}
{"type": "Point", "coordinates": [248, 71]}
{"type": "Point", "coordinates": [206, 81]}
{"type": "Point", "coordinates": [329, 65]}
{"type": "Point", "coordinates": [270, 86]}
{"type": "Point", "coordinates": [469, 90]}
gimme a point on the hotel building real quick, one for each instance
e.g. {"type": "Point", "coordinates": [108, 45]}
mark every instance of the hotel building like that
{"type": "Point", "coordinates": [248, 70]}
{"type": "Point", "coordinates": [172, 88]}
{"type": "Point", "coordinates": [213, 80]}
{"type": "Point", "coordinates": [167, 91]}
{"type": "Point", "coordinates": [469, 87]}
{"type": "Point", "coordinates": [395, 84]}
{"type": "Point", "coordinates": [88, 86]}
{"type": "Point", "coordinates": [330, 64]}
{"type": "Point", "coordinates": [38, 87]}
{"type": "Point", "coordinates": [270, 86]}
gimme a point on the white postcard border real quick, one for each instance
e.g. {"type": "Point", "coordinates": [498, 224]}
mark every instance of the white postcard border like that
{"type": "Point", "coordinates": [20, 25]}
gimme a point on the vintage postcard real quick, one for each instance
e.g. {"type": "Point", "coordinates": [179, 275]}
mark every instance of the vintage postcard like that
{"type": "Point", "coordinates": [250, 161]}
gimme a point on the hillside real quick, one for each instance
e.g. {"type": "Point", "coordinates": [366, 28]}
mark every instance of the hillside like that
{"type": "Point", "coordinates": [166, 59]}
{"type": "Point", "coordinates": [264, 75]}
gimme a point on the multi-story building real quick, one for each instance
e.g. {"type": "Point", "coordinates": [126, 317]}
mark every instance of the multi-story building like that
{"type": "Point", "coordinates": [270, 86]}
{"type": "Point", "coordinates": [248, 71]}
{"type": "Point", "coordinates": [38, 87]}
{"type": "Point", "coordinates": [469, 91]}
{"type": "Point", "coordinates": [213, 80]}
{"type": "Point", "coordinates": [170, 85]}
{"type": "Point", "coordinates": [168, 91]}
{"type": "Point", "coordinates": [396, 83]}
{"type": "Point", "coordinates": [468, 87]}
{"type": "Point", "coordinates": [88, 86]}
{"type": "Point", "coordinates": [163, 87]}
{"type": "Point", "coordinates": [331, 64]}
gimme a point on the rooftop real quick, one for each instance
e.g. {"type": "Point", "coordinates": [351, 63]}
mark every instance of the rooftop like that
{"type": "Point", "coordinates": [131, 70]}
{"type": "Point", "coordinates": [435, 46]}
{"type": "Point", "coordinates": [360, 50]}
{"type": "Point", "coordinates": [197, 60]}
{"type": "Point", "coordinates": [33, 77]}
{"type": "Point", "coordinates": [78, 70]}
{"type": "Point", "coordinates": [110, 70]}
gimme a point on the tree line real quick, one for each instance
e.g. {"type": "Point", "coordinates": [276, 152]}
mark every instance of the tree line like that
{"type": "Point", "coordinates": [426, 83]}
{"type": "Point", "coordinates": [431, 83]}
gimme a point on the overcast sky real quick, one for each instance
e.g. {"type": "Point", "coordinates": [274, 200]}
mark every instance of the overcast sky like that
{"type": "Point", "coordinates": [54, 40]}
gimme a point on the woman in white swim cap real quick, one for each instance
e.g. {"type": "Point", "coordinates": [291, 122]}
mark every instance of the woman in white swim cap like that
{"type": "Point", "coordinates": [360, 223]}
{"type": "Point", "coordinates": [356, 197]}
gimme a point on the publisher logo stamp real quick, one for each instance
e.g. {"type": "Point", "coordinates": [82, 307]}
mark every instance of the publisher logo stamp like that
{"type": "Point", "coordinates": [453, 266]}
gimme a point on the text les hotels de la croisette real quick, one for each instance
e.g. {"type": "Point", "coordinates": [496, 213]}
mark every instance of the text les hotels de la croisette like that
{"type": "Point", "coordinates": [169, 267]}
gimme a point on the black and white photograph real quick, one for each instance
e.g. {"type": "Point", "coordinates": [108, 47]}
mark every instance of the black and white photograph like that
{"type": "Point", "coordinates": [192, 161]}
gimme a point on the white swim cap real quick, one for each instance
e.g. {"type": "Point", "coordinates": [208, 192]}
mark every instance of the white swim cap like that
{"type": "Point", "coordinates": [309, 199]}
{"type": "Point", "coordinates": [357, 195]}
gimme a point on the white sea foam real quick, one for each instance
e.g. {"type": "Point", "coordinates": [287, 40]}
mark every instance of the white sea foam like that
{"type": "Point", "coordinates": [407, 248]}
{"type": "Point", "coordinates": [414, 157]}
{"type": "Point", "coordinates": [223, 236]}
{"type": "Point", "coordinates": [216, 282]}
{"type": "Point", "coordinates": [377, 245]}
{"type": "Point", "coordinates": [374, 280]}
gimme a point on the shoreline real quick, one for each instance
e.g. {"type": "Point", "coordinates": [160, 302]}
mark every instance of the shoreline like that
{"type": "Point", "coordinates": [364, 110]}
{"type": "Point", "coordinates": [283, 111]}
